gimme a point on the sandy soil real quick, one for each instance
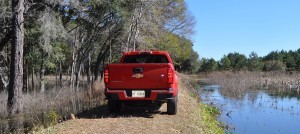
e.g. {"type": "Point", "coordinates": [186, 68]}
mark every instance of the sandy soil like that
{"type": "Point", "coordinates": [134, 120]}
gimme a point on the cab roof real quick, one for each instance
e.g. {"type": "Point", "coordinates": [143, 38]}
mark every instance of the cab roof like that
{"type": "Point", "coordinates": [155, 52]}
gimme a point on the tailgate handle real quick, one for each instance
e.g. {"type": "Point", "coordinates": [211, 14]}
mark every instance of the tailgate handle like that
{"type": "Point", "coordinates": [138, 70]}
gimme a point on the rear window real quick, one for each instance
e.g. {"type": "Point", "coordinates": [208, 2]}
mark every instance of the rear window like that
{"type": "Point", "coordinates": [146, 59]}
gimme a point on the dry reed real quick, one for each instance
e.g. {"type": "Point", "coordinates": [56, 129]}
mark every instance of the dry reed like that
{"type": "Point", "coordinates": [59, 102]}
{"type": "Point", "coordinates": [235, 84]}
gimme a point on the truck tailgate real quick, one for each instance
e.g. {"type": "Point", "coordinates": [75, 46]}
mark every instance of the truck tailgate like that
{"type": "Point", "coordinates": [138, 76]}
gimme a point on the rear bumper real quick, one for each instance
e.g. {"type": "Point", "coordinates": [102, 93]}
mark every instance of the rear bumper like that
{"type": "Point", "coordinates": [151, 95]}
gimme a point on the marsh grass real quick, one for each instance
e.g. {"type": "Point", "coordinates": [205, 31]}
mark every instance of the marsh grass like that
{"type": "Point", "coordinates": [209, 114]}
{"type": "Point", "coordinates": [54, 105]}
{"type": "Point", "coordinates": [235, 84]}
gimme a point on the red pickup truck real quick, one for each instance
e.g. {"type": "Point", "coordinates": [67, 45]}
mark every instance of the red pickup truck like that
{"type": "Point", "coordinates": [142, 77]}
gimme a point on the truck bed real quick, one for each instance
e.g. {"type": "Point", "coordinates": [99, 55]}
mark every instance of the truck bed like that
{"type": "Point", "coordinates": [138, 76]}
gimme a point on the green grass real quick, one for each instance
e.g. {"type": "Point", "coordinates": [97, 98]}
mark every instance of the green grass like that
{"type": "Point", "coordinates": [208, 115]}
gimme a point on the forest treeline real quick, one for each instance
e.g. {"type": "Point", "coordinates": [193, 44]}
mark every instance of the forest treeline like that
{"type": "Point", "coordinates": [76, 38]}
{"type": "Point", "coordinates": [274, 61]}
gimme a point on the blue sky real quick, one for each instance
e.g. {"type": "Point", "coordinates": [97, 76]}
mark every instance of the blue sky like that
{"type": "Point", "coordinates": [243, 26]}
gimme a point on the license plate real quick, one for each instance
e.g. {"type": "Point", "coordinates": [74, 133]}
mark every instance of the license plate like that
{"type": "Point", "coordinates": [138, 93]}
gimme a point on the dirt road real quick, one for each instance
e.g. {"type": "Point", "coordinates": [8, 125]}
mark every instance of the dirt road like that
{"type": "Point", "coordinates": [134, 120]}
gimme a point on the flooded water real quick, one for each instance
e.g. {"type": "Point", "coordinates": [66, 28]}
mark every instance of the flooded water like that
{"type": "Point", "coordinates": [258, 112]}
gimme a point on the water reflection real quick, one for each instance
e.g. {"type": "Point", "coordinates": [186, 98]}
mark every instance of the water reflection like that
{"type": "Point", "coordinates": [256, 112]}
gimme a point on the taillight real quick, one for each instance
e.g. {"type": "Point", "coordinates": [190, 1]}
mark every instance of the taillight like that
{"type": "Point", "coordinates": [106, 76]}
{"type": "Point", "coordinates": [170, 75]}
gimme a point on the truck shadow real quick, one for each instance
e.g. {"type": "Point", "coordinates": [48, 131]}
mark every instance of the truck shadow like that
{"type": "Point", "coordinates": [126, 111]}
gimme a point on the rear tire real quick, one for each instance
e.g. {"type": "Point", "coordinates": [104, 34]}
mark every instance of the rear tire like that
{"type": "Point", "coordinates": [172, 106]}
{"type": "Point", "coordinates": [114, 106]}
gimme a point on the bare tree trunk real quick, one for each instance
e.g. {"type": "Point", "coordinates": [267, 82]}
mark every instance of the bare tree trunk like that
{"type": "Point", "coordinates": [129, 35]}
{"type": "Point", "coordinates": [102, 69]}
{"type": "Point", "coordinates": [68, 73]}
{"type": "Point", "coordinates": [43, 80]}
{"type": "Point", "coordinates": [1, 83]}
{"type": "Point", "coordinates": [134, 29]}
{"type": "Point", "coordinates": [56, 76]}
{"type": "Point", "coordinates": [137, 31]}
{"type": "Point", "coordinates": [110, 52]}
{"type": "Point", "coordinates": [135, 39]}
{"type": "Point", "coordinates": [78, 76]}
{"type": "Point", "coordinates": [15, 95]}
{"type": "Point", "coordinates": [15, 104]}
{"type": "Point", "coordinates": [73, 67]}
{"type": "Point", "coordinates": [42, 74]}
{"type": "Point", "coordinates": [25, 78]}
{"type": "Point", "coordinates": [89, 70]}
{"type": "Point", "coordinates": [32, 79]}
{"type": "Point", "coordinates": [74, 59]}
{"type": "Point", "coordinates": [60, 73]}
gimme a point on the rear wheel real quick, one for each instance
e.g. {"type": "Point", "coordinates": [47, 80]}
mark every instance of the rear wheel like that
{"type": "Point", "coordinates": [114, 106]}
{"type": "Point", "coordinates": [172, 106]}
